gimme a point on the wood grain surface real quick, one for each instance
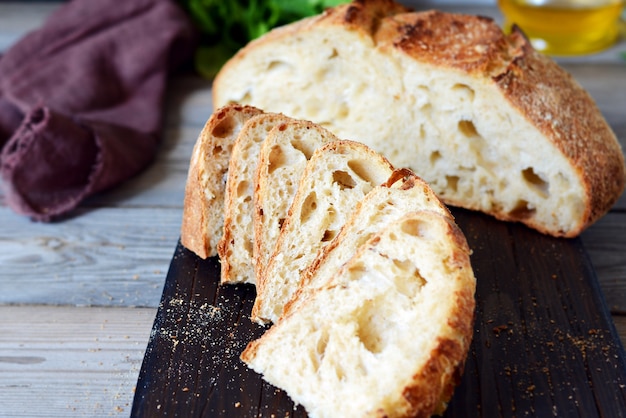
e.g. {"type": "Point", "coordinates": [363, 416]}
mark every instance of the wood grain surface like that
{"type": "Point", "coordinates": [543, 343]}
{"type": "Point", "coordinates": [69, 361]}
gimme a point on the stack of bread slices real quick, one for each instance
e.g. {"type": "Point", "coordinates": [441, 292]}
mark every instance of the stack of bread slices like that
{"type": "Point", "coordinates": [358, 265]}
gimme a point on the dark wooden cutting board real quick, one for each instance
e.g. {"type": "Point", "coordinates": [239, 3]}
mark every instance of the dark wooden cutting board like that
{"type": "Point", "coordinates": [544, 343]}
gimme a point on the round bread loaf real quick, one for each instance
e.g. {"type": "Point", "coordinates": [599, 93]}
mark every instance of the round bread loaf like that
{"type": "Point", "coordinates": [490, 123]}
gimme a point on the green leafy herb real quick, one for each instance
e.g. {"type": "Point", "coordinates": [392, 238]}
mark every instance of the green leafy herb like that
{"type": "Point", "coordinates": [227, 25]}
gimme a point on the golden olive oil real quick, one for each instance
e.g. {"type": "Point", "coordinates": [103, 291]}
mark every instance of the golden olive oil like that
{"type": "Point", "coordinates": [565, 27]}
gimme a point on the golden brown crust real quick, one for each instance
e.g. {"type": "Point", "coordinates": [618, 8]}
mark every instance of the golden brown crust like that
{"type": "Point", "coordinates": [209, 164]}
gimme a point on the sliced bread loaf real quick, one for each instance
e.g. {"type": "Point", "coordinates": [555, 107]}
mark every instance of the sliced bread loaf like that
{"type": "Point", "coordinates": [487, 121]}
{"type": "Point", "coordinates": [236, 246]}
{"type": "Point", "coordinates": [203, 209]}
{"type": "Point", "coordinates": [388, 336]}
{"type": "Point", "coordinates": [404, 192]}
{"type": "Point", "coordinates": [335, 179]}
{"type": "Point", "coordinates": [282, 159]}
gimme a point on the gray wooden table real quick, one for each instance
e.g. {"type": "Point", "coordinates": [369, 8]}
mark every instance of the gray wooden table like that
{"type": "Point", "coordinates": [78, 297]}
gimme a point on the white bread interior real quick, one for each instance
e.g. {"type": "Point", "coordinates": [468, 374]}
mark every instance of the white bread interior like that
{"type": "Point", "coordinates": [404, 192]}
{"type": "Point", "coordinates": [335, 179]}
{"type": "Point", "coordinates": [387, 337]}
{"type": "Point", "coordinates": [203, 219]}
{"type": "Point", "coordinates": [281, 162]}
{"type": "Point", "coordinates": [350, 238]}
{"type": "Point", "coordinates": [236, 246]}
{"type": "Point", "coordinates": [488, 122]}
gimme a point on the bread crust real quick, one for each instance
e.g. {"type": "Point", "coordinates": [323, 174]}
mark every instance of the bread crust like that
{"type": "Point", "coordinates": [204, 190]}
{"type": "Point", "coordinates": [544, 93]}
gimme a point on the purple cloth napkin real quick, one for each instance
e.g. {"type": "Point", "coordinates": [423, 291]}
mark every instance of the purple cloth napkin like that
{"type": "Point", "coordinates": [81, 100]}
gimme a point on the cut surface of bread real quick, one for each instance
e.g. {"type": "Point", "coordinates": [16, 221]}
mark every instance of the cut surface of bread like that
{"type": "Point", "coordinates": [236, 246]}
{"type": "Point", "coordinates": [203, 214]}
{"type": "Point", "coordinates": [488, 122]}
{"type": "Point", "coordinates": [388, 336]}
{"type": "Point", "coordinates": [335, 179]}
{"type": "Point", "coordinates": [281, 162]}
{"type": "Point", "coordinates": [403, 193]}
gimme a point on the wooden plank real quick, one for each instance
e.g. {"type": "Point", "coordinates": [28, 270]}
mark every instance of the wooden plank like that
{"type": "Point", "coordinates": [68, 361]}
{"type": "Point", "coordinates": [544, 341]}
{"type": "Point", "coordinates": [188, 101]}
{"type": "Point", "coordinates": [605, 243]}
{"type": "Point", "coordinates": [116, 257]}
{"type": "Point", "coordinates": [192, 366]}
{"type": "Point", "coordinates": [620, 326]}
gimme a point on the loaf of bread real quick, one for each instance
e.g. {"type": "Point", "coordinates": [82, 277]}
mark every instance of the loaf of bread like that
{"type": "Point", "coordinates": [236, 247]}
{"type": "Point", "coordinates": [203, 213]}
{"type": "Point", "coordinates": [364, 266]}
{"type": "Point", "coordinates": [404, 192]}
{"type": "Point", "coordinates": [335, 179]}
{"type": "Point", "coordinates": [281, 162]}
{"type": "Point", "coordinates": [387, 336]}
{"type": "Point", "coordinates": [488, 122]}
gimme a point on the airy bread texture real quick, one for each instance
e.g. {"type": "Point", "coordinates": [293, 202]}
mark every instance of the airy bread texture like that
{"type": "Point", "coordinates": [364, 266]}
{"type": "Point", "coordinates": [281, 162]}
{"type": "Point", "coordinates": [335, 179]}
{"type": "Point", "coordinates": [203, 218]}
{"type": "Point", "coordinates": [236, 247]}
{"type": "Point", "coordinates": [388, 336]}
{"type": "Point", "coordinates": [403, 193]}
{"type": "Point", "coordinates": [490, 124]}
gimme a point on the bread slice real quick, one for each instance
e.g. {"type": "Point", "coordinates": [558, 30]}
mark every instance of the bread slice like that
{"type": "Point", "coordinates": [236, 246]}
{"type": "Point", "coordinates": [488, 122]}
{"type": "Point", "coordinates": [403, 193]}
{"type": "Point", "coordinates": [388, 336]}
{"type": "Point", "coordinates": [282, 160]}
{"type": "Point", "coordinates": [336, 178]}
{"type": "Point", "coordinates": [203, 209]}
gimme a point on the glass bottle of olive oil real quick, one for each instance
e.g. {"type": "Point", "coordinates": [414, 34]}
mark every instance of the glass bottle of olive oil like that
{"type": "Point", "coordinates": [565, 27]}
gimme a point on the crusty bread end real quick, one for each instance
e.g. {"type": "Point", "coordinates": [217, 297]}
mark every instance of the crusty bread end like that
{"type": "Point", "coordinates": [203, 219]}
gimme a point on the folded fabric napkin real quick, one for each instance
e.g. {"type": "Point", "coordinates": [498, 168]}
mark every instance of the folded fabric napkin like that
{"type": "Point", "coordinates": [81, 100]}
